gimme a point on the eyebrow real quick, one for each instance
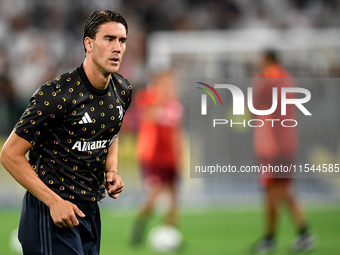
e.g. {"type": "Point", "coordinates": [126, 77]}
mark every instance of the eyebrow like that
{"type": "Point", "coordinates": [114, 37]}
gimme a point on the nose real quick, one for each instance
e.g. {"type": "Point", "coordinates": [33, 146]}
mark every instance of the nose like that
{"type": "Point", "coordinates": [116, 46]}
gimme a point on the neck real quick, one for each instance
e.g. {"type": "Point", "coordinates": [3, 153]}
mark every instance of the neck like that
{"type": "Point", "coordinates": [97, 78]}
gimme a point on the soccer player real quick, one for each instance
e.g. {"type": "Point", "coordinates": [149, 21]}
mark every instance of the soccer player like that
{"type": "Point", "coordinates": [276, 145]}
{"type": "Point", "coordinates": [158, 148]}
{"type": "Point", "coordinates": [70, 129]}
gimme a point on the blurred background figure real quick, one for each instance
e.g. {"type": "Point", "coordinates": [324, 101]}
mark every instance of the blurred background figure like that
{"type": "Point", "coordinates": [159, 148]}
{"type": "Point", "coordinates": [276, 145]}
{"type": "Point", "coordinates": [7, 95]}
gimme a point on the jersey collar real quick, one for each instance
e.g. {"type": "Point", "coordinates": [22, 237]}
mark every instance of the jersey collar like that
{"type": "Point", "coordinates": [88, 84]}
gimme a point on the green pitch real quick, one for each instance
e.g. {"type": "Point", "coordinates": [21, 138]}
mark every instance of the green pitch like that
{"type": "Point", "coordinates": [218, 231]}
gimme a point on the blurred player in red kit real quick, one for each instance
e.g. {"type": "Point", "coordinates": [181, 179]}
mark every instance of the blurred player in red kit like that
{"type": "Point", "coordinates": [276, 145]}
{"type": "Point", "coordinates": [159, 147]}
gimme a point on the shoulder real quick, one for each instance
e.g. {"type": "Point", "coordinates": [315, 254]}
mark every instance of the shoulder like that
{"type": "Point", "coordinates": [66, 78]}
{"type": "Point", "coordinates": [62, 79]}
{"type": "Point", "coordinates": [122, 81]}
{"type": "Point", "coordinates": [47, 90]}
{"type": "Point", "coordinates": [123, 88]}
{"type": "Point", "coordinates": [276, 71]}
{"type": "Point", "coordinates": [51, 89]}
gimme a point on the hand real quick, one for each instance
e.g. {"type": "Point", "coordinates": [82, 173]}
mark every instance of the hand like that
{"type": "Point", "coordinates": [64, 214]}
{"type": "Point", "coordinates": [114, 184]}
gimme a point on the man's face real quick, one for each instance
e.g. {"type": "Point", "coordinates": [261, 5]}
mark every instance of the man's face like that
{"type": "Point", "coordinates": [109, 46]}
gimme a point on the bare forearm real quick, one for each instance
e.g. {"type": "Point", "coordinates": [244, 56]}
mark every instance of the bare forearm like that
{"type": "Point", "coordinates": [114, 183]}
{"type": "Point", "coordinates": [112, 157]}
{"type": "Point", "coordinates": [13, 159]}
{"type": "Point", "coordinates": [23, 173]}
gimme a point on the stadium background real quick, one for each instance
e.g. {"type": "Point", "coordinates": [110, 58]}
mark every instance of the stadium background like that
{"type": "Point", "coordinates": [219, 38]}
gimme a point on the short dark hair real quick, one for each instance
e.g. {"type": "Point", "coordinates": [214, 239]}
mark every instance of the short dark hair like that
{"type": "Point", "coordinates": [98, 18]}
{"type": "Point", "coordinates": [272, 56]}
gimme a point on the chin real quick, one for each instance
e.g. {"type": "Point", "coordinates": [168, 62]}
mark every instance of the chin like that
{"type": "Point", "coordinates": [113, 69]}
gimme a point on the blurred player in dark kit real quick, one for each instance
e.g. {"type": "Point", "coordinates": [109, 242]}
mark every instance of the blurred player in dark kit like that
{"type": "Point", "coordinates": [276, 145]}
{"type": "Point", "coordinates": [70, 129]}
{"type": "Point", "coordinates": [159, 147]}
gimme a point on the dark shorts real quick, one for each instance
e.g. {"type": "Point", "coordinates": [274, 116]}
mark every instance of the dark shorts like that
{"type": "Point", "coordinates": [159, 174]}
{"type": "Point", "coordinates": [38, 234]}
{"type": "Point", "coordinates": [270, 178]}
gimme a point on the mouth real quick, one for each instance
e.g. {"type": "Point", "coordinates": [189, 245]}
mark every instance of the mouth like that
{"type": "Point", "coordinates": [114, 60]}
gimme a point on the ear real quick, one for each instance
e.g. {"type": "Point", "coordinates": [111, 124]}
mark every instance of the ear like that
{"type": "Point", "coordinates": [88, 42]}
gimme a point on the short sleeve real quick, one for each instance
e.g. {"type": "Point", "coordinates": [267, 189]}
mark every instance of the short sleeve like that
{"type": "Point", "coordinates": [43, 114]}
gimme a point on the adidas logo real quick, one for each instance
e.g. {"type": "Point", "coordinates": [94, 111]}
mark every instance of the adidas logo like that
{"type": "Point", "coordinates": [86, 119]}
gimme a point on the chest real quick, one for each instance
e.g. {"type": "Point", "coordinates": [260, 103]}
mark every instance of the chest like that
{"type": "Point", "coordinates": [89, 116]}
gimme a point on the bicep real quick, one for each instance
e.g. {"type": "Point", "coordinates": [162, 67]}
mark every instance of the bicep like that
{"type": "Point", "coordinates": [16, 144]}
{"type": "Point", "coordinates": [14, 147]}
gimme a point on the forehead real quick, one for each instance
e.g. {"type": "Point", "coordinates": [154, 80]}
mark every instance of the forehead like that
{"type": "Point", "coordinates": [112, 28]}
